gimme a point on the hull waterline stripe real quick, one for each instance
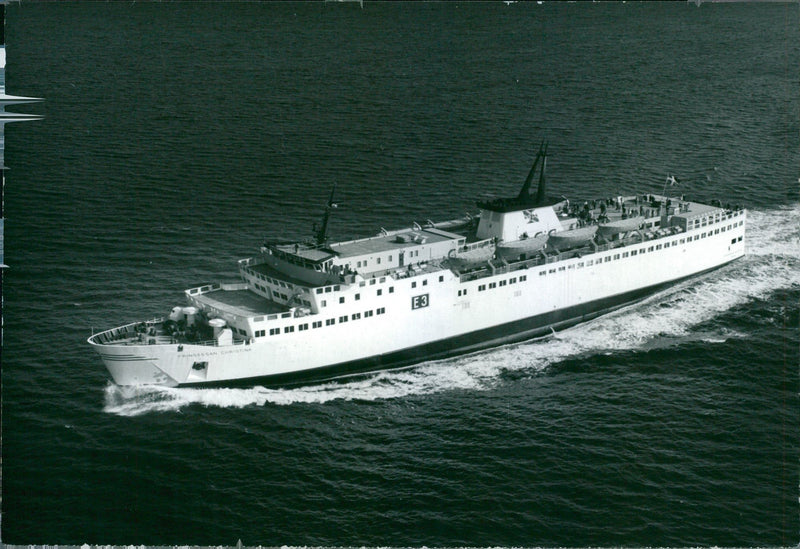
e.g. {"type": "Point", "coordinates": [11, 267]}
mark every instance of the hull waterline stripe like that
{"type": "Point", "coordinates": [123, 358]}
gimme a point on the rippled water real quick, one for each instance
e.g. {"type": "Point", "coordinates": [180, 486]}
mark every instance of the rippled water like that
{"type": "Point", "coordinates": [176, 136]}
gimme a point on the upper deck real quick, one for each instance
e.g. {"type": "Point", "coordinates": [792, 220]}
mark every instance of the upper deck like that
{"type": "Point", "coordinates": [318, 265]}
{"type": "Point", "coordinates": [234, 299]}
{"type": "Point", "coordinates": [394, 241]}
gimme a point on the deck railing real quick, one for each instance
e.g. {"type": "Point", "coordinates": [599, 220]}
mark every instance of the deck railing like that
{"type": "Point", "coordinates": [545, 257]}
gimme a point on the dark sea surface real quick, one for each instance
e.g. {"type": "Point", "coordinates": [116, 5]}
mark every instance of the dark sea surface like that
{"type": "Point", "coordinates": [177, 136]}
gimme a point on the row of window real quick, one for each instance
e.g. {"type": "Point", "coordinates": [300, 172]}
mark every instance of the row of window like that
{"type": "Point", "coordinates": [291, 258]}
{"type": "Point", "coordinates": [372, 282]}
{"type": "Point", "coordinates": [639, 251]}
{"type": "Point", "coordinates": [702, 222]}
{"type": "Point", "coordinates": [278, 283]}
{"type": "Point", "coordinates": [425, 281]}
{"type": "Point", "coordinates": [327, 289]}
{"type": "Point", "coordinates": [357, 297]}
{"type": "Point", "coordinates": [275, 293]}
{"type": "Point", "coordinates": [608, 258]}
{"type": "Point", "coordinates": [271, 280]}
{"type": "Point", "coordinates": [365, 262]}
{"type": "Point", "coordinates": [378, 292]}
{"type": "Point", "coordinates": [318, 323]}
{"type": "Point", "coordinates": [492, 285]}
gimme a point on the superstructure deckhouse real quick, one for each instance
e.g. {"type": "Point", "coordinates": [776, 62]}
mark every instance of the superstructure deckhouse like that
{"type": "Point", "coordinates": [522, 267]}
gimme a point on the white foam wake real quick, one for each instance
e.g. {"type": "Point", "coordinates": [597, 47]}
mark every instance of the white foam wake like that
{"type": "Point", "coordinates": [772, 263]}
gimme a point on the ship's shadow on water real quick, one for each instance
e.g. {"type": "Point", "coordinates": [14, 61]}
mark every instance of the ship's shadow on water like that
{"type": "Point", "coordinates": [678, 316]}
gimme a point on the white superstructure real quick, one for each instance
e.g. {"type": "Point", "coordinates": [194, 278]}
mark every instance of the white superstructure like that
{"type": "Point", "coordinates": [324, 309]}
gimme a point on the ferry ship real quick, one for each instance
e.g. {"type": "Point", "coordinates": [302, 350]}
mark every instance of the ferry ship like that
{"type": "Point", "coordinates": [524, 267]}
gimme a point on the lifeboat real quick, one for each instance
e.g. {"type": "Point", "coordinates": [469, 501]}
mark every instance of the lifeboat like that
{"type": "Point", "coordinates": [471, 257]}
{"type": "Point", "coordinates": [453, 225]}
{"type": "Point", "coordinates": [573, 238]}
{"type": "Point", "coordinates": [525, 246]}
{"type": "Point", "coordinates": [620, 226]}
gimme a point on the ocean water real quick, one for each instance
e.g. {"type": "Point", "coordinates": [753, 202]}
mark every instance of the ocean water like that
{"type": "Point", "coordinates": [177, 136]}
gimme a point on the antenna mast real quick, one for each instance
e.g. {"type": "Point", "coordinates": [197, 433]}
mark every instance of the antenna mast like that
{"type": "Point", "coordinates": [540, 192]}
{"type": "Point", "coordinates": [524, 193]}
{"type": "Point", "coordinates": [322, 235]}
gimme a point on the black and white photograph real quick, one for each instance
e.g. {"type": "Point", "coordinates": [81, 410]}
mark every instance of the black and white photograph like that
{"type": "Point", "coordinates": [401, 274]}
